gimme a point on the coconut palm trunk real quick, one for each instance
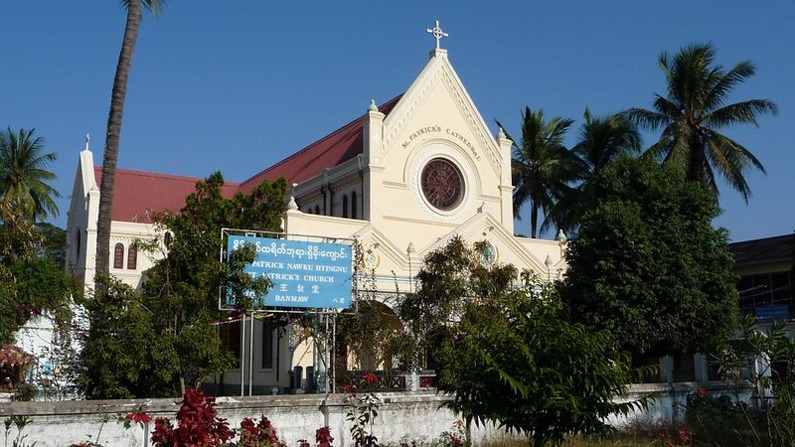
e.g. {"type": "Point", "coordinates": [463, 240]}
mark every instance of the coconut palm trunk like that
{"type": "Point", "coordinates": [113, 133]}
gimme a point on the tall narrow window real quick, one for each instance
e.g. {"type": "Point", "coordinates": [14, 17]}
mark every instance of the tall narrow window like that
{"type": "Point", "coordinates": [118, 256]}
{"type": "Point", "coordinates": [77, 241]}
{"type": "Point", "coordinates": [354, 205]}
{"type": "Point", "coordinates": [267, 345]}
{"type": "Point", "coordinates": [317, 209]}
{"type": "Point", "coordinates": [132, 257]}
{"type": "Point", "coordinates": [345, 205]}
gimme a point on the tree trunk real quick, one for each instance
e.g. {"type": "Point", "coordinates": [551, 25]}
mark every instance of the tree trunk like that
{"type": "Point", "coordinates": [113, 134]}
{"type": "Point", "coordinates": [534, 220]}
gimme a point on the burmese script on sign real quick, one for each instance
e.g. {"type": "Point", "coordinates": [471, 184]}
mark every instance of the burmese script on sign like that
{"type": "Point", "coordinates": [304, 274]}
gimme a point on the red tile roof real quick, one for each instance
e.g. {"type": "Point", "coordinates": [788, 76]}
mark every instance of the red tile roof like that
{"type": "Point", "coordinates": [332, 150]}
{"type": "Point", "coordinates": [137, 193]}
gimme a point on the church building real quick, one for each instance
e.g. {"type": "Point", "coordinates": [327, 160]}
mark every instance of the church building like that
{"type": "Point", "coordinates": [402, 180]}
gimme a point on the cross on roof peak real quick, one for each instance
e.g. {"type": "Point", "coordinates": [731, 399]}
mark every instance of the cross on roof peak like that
{"type": "Point", "coordinates": [437, 33]}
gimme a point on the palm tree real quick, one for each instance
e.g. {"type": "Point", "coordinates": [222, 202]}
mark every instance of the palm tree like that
{"type": "Point", "coordinates": [113, 133]}
{"type": "Point", "coordinates": [23, 174]}
{"type": "Point", "coordinates": [695, 109]}
{"type": "Point", "coordinates": [541, 166]}
{"type": "Point", "coordinates": [601, 140]}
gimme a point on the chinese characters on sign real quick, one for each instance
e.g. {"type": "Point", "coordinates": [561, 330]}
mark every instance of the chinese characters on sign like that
{"type": "Point", "coordinates": [304, 274]}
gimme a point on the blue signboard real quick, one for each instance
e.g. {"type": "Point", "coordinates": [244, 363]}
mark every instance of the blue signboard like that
{"type": "Point", "coordinates": [304, 274]}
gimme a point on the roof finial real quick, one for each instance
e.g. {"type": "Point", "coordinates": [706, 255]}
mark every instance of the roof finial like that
{"type": "Point", "coordinates": [88, 140]}
{"type": "Point", "coordinates": [437, 34]}
{"type": "Point", "coordinates": [373, 107]}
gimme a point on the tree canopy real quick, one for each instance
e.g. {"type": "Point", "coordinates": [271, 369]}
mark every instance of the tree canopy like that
{"type": "Point", "coordinates": [541, 166]}
{"type": "Point", "coordinates": [693, 112]}
{"type": "Point", "coordinates": [170, 340]}
{"type": "Point", "coordinates": [647, 264]}
{"type": "Point", "coordinates": [506, 353]}
{"type": "Point", "coordinates": [23, 173]}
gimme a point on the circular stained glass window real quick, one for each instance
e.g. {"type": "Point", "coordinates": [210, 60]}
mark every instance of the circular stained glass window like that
{"type": "Point", "coordinates": [442, 184]}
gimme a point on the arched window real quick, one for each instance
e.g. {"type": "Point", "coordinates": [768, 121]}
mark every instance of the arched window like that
{"type": "Point", "coordinates": [354, 205]}
{"type": "Point", "coordinates": [118, 256]}
{"type": "Point", "coordinates": [345, 205]}
{"type": "Point", "coordinates": [317, 209]}
{"type": "Point", "coordinates": [132, 257]}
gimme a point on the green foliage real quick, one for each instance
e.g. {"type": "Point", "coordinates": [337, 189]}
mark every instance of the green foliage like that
{"type": "Point", "coordinates": [515, 360]}
{"type": "Point", "coordinates": [541, 166]}
{"type": "Point", "coordinates": [361, 412]}
{"type": "Point", "coordinates": [647, 264]}
{"type": "Point", "coordinates": [24, 174]}
{"type": "Point", "coordinates": [125, 355]}
{"type": "Point", "coordinates": [30, 283]}
{"type": "Point", "coordinates": [156, 342]}
{"type": "Point", "coordinates": [449, 279]}
{"type": "Point", "coordinates": [601, 141]}
{"type": "Point", "coordinates": [30, 287]}
{"type": "Point", "coordinates": [19, 423]}
{"type": "Point", "coordinates": [767, 355]}
{"type": "Point", "coordinates": [693, 111]}
{"type": "Point", "coordinates": [53, 245]}
{"type": "Point", "coordinates": [719, 420]}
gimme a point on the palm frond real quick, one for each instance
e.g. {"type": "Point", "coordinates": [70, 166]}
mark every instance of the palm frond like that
{"type": "Point", "coordinates": [741, 113]}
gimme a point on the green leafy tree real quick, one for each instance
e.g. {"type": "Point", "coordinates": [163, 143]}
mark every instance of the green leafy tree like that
{"type": "Point", "coordinates": [53, 245]}
{"type": "Point", "coordinates": [693, 112]}
{"type": "Point", "coordinates": [513, 359]}
{"type": "Point", "coordinates": [125, 354]}
{"type": "Point", "coordinates": [647, 264]}
{"type": "Point", "coordinates": [179, 301]}
{"type": "Point", "coordinates": [113, 133]}
{"type": "Point", "coordinates": [449, 278]}
{"type": "Point", "coordinates": [29, 284]}
{"type": "Point", "coordinates": [24, 174]}
{"type": "Point", "coordinates": [601, 140]}
{"type": "Point", "coordinates": [541, 167]}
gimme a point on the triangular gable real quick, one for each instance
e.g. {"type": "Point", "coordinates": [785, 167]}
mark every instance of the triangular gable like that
{"type": "Point", "coordinates": [369, 234]}
{"type": "Point", "coordinates": [440, 71]}
{"type": "Point", "coordinates": [472, 230]}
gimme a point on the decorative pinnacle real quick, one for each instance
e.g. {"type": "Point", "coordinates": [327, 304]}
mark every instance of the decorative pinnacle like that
{"type": "Point", "coordinates": [437, 33]}
{"type": "Point", "coordinates": [373, 107]}
{"type": "Point", "coordinates": [88, 140]}
{"type": "Point", "coordinates": [501, 133]}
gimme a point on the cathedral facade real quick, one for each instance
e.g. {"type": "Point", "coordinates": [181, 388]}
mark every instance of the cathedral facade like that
{"type": "Point", "coordinates": [401, 180]}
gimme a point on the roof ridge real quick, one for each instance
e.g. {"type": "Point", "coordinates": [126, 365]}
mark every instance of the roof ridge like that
{"type": "Point", "coordinates": [161, 175]}
{"type": "Point", "coordinates": [319, 141]}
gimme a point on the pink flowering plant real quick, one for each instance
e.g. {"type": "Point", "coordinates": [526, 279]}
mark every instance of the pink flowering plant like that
{"type": "Point", "coordinates": [14, 362]}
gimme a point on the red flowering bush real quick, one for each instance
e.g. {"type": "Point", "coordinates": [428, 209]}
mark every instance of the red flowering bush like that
{"type": "Point", "coordinates": [138, 417]}
{"type": "Point", "coordinates": [198, 424]}
{"type": "Point", "coordinates": [14, 363]}
{"type": "Point", "coordinates": [261, 434]}
{"type": "Point", "coordinates": [323, 437]}
{"type": "Point", "coordinates": [672, 434]}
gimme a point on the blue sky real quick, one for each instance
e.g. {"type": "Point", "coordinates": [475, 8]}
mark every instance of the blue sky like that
{"type": "Point", "coordinates": [236, 86]}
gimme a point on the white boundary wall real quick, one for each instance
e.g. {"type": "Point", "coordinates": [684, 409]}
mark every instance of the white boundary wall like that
{"type": "Point", "coordinates": [402, 417]}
